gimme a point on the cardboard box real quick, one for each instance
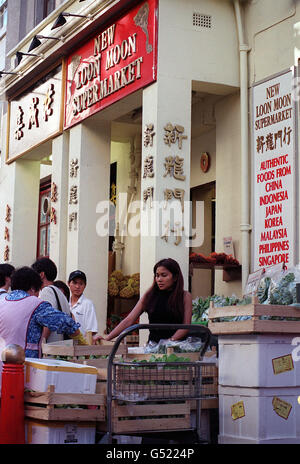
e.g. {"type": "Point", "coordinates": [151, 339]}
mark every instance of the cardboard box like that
{"type": "Point", "coordinates": [258, 360]}
{"type": "Point", "coordinates": [67, 377]}
{"type": "Point", "coordinates": [59, 433]}
{"type": "Point", "coordinates": [259, 415]}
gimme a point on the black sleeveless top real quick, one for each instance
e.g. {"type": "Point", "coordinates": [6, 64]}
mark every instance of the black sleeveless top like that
{"type": "Point", "coordinates": [161, 314]}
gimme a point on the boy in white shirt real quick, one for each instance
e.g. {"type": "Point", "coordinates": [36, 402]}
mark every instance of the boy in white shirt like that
{"type": "Point", "coordinates": [81, 307]}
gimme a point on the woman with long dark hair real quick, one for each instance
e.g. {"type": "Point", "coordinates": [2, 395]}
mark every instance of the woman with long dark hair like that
{"type": "Point", "coordinates": [165, 302]}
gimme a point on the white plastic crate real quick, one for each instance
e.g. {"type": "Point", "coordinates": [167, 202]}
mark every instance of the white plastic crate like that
{"type": "Point", "coordinates": [261, 423]}
{"type": "Point", "coordinates": [67, 377]}
{"type": "Point", "coordinates": [59, 433]}
{"type": "Point", "coordinates": [247, 360]}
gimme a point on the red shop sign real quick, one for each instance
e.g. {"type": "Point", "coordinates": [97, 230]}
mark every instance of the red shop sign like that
{"type": "Point", "coordinates": [119, 60]}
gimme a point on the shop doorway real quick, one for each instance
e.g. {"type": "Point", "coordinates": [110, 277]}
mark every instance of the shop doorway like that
{"type": "Point", "coordinates": [202, 282]}
{"type": "Point", "coordinates": [44, 220]}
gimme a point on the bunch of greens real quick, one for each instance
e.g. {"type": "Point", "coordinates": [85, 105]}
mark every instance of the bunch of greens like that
{"type": "Point", "coordinates": [233, 300]}
{"type": "Point", "coordinates": [200, 310]}
{"type": "Point", "coordinates": [284, 292]}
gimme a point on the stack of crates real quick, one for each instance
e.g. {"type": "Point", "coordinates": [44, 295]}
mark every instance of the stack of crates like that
{"type": "Point", "coordinates": [259, 376]}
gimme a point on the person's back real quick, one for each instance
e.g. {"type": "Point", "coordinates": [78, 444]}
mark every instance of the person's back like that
{"type": "Point", "coordinates": [48, 271]}
{"type": "Point", "coordinates": [57, 299]}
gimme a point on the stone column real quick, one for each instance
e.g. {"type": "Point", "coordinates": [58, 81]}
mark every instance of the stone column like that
{"type": "Point", "coordinates": [24, 205]}
{"type": "Point", "coordinates": [59, 203]}
{"type": "Point", "coordinates": [165, 175]}
{"type": "Point", "coordinates": [87, 244]}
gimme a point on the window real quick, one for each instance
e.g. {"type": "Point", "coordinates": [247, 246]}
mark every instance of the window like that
{"type": "Point", "coordinates": [42, 9]}
{"type": "Point", "coordinates": [43, 242]}
{"type": "Point", "coordinates": [3, 16]}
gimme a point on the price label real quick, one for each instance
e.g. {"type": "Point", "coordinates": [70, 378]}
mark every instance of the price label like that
{"type": "Point", "coordinates": [238, 410]}
{"type": "Point", "coordinates": [281, 407]}
{"type": "Point", "coordinates": [253, 282]}
{"type": "Point", "coordinates": [283, 364]}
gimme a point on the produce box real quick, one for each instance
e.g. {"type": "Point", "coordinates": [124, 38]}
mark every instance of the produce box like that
{"type": "Point", "coordinates": [73, 352]}
{"type": "Point", "coordinates": [259, 360]}
{"type": "Point", "coordinates": [131, 418]}
{"type": "Point", "coordinates": [52, 406]}
{"type": "Point", "coordinates": [67, 377]}
{"type": "Point", "coordinates": [39, 432]}
{"type": "Point", "coordinates": [254, 318]}
{"type": "Point", "coordinates": [259, 415]}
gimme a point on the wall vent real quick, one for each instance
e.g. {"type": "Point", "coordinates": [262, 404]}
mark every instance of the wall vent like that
{"type": "Point", "coordinates": [201, 20]}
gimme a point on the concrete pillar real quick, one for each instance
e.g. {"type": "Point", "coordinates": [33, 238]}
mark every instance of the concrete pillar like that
{"type": "Point", "coordinates": [24, 212]}
{"type": "Point", "coordinates": [87, 248]}
{"type": "Point", "coordinates": [59, 197]}
{"type": "Point", "coordinates": [166, 101]}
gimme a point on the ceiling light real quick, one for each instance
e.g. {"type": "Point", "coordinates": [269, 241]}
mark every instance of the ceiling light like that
{"type": "Point", "coordinates": [60, 21]}
{"type": "Point", "coordinates": [36, 42]}
{"type": "Point", "coordinates": [5, 72]}
{"type": "Point", "coordinates": [20, 55]}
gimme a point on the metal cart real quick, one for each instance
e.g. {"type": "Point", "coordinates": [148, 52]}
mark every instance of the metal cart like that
{"type": "Point", "coordinates": [133, 382]}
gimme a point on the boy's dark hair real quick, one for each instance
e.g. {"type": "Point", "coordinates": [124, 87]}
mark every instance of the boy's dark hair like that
{"type": "Point", "coordinates": [25, 278]}
{"type": "Point", "coordinates": [6, 270]}
{"type": "Point", "coordinates": [63, 287]}
{"type": "Point", "coordinates": [47, 266]}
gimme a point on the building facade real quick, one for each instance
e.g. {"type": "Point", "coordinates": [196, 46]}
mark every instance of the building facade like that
{"type": "Point", "coordinates": [151, 129]}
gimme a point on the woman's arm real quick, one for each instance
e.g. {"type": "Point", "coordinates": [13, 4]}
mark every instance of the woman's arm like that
{"type": "Point", "coordinates": [127, 322]}
{"type": "Point", "coordinates": [187, 317]}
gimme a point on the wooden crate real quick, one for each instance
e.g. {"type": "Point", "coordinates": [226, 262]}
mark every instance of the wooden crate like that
{"type": "Point", "coordinates": [41, 405]}
{"type": "Point", "coordinates": [132, 340]}
{"type": "Point", "coordinates": [255, 324]}
{"type": "Point", "coordinates": [209, 379]}
{"type": "Point", "coordinates": [131, 418]}
{"type": "Point", "coordinates": [194, 356]}
{"type": "Point", "coordinates": [75, 352]}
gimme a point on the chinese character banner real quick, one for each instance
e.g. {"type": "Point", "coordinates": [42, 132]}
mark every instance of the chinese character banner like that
{"type": "Point", "coordinates": [35, 116]}
{"type": "Point", "coordinates": [273, 143]}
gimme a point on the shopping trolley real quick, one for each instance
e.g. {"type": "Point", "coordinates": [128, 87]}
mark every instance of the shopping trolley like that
{"type": "Point", "coordinates": [157, 382]}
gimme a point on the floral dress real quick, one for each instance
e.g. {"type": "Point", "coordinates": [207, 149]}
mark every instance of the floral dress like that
{"type": "Point", "coordinates": [44, 316]}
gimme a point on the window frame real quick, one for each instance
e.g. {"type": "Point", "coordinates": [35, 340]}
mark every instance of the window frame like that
{"type": "Point", "coordinates": [45, 188]}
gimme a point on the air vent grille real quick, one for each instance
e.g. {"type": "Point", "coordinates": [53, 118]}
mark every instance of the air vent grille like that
{"type": "Point", "coordinates": [202, 20]}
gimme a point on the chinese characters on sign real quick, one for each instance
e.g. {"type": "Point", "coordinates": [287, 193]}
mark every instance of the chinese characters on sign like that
{"type": "Point", "coordinates": [174, 168]}
{"type": "Point", "coordinates": [6, 256]}
{"type": "Point", "coordinates": [148, 135]}
{"type": "Point", "coordinates": [35, 116]}
{"type": "Point", "coordinates": [174, 134]}
{"type": "Point", "coordinates": [53, 199]}
{"type": "Point", "coordinates": [148, 167]}
{"type": "Point", "coordinates": [74, 166]}
{"type": "Point", "coordinates": [73, 193]}
{"type": "Point", "coordinates": [34, 113]}
{"type": "Point", "coordinates": [274, 171]}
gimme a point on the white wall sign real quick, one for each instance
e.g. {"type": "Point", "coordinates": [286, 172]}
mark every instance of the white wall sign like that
{"type": "Point", "coordinates": [273, 133]}
{"type": "Point", "coordinates": [35, 115]}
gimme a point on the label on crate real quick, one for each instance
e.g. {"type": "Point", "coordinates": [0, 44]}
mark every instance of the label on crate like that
{"type": "Point", "coordinates": [281, 407]}
{"type": "Point", "coordinates": [71, 433]}
{"type": "Point", "coordinates": [238, 410]}
{"type": "Point", "coordinates": [283, 364]}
